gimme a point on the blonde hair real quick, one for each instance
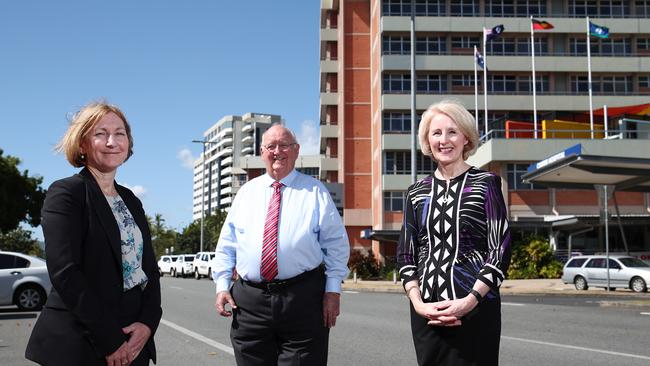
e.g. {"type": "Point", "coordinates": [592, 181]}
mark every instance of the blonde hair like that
{"type": "Point", "coordinates": [81, 124]}
{"type": "Point", "coordinates": [454, 110]}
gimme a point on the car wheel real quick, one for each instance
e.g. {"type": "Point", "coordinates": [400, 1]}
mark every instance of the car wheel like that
{"type": "Point", "coordinates": [580, 283]}
{"type": "Point", "coordinates": [183, 273]}
{"type": "Point", "coordinates": [172, 272]}
{"type": "Point", "coordinates": [210, 274]}
{"type": "Point", "coordinates": [197, 276]}
{"type": "Point", "coordinates": [638, 285]}
{"type": "Point", "coordinates": [30, 297]}
{"type": "Point", "coordinates": [161, 272]}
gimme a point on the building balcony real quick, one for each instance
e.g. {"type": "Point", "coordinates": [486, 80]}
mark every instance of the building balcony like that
{"type": "Point", "coordinates": [224, 142]}
{"type": "Point", "coordinates": [247, 140]}
{"type": "Point", "coordinates": [247, 127]}
{"type": "Point", "coordinates": [464, 24]}
{"type": "Point", "coordinates": [329, 131]}
{"type": "Point", "coordinates": [226, 161]}
{"type": "Point", "coordinates": [329, 164]}
{"type": "Point", "coordinates": [329, 98]}
{"type": "Point", "coordinates": [329, 66]}
{"type": "Point", "coordinates": [329, 4]}
{"type": "Point", "coordinates": [225, 152]}
{"type": "Point", "coordinates": [328, 34]}
{"type": "Point", "coordinates": [532, 150]}
{"type": "Point", "coordinates": [224, 133]}
{"type": "Point", "coordinates": [248, 150]}
{"type": "Point", "coordinates": [503, 102]}
{"type": "Point", "coordinates": [554, 64]}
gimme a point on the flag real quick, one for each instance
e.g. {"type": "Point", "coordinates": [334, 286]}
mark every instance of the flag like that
{"type": "Point", "coordinates": [490, 34]}
{"type": "Point", "coordinates": [541, 24]}
{"type": "Point", "coordinates": [479, 59]}
{"type": "Point", "coordinates": [598, 30]}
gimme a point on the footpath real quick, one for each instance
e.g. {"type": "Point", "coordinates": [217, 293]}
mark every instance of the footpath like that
{"type": "Point", "coordinates": [552, 287]}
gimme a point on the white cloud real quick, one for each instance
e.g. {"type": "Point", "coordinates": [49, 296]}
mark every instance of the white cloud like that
{"type": "Point", "coordinates": [309, 138]}
{"type": "Point", "coordinates": [138, 190]}
{"type": "Point", "coordinates": [186, 158]}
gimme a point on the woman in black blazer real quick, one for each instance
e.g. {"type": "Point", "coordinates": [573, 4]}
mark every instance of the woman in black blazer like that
{"type": "Point", "coordinates": [104, 307]}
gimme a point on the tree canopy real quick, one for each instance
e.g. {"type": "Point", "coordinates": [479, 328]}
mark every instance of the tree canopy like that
{"type": "Point", "coordinates": [21, 195]}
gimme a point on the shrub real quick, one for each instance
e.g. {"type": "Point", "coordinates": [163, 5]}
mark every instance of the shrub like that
{"type": "Point", "coordinates": [532, 257]}
{"type": "Point", "coordinates": [364, 264]}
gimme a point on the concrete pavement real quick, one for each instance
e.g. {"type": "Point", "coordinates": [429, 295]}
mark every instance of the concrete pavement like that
{"type": "Point", "coordinates": [624, 297]}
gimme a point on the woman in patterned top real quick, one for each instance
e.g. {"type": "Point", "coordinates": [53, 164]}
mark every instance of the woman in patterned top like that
{"type": "Point", "coordinates": [104, 307]}
{"type": "Point", "coordinates": [454, 247]}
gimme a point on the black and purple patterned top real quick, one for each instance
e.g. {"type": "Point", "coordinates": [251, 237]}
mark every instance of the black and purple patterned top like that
{"type": "Point", "coordinates": [452, 236]}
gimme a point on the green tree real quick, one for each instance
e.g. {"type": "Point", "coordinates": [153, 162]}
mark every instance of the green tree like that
{"type": "Point", "coordinates": [532, 257]}
{"type": "Point", "coordinates": [21, 241]}
{"type": "Point", "coordinates": [162, 237]}
{"type": "Point", "coordinates": [21, 196]}
{"type": "Point", "coordinates": [189, 241]}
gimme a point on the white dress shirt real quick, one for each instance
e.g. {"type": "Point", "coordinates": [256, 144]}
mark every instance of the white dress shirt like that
{"type": "Point", "coordinates": [310, 232]}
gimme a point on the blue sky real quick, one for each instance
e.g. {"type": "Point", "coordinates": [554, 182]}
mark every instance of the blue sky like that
{"type": "Point", "coordinates": [174, 67]}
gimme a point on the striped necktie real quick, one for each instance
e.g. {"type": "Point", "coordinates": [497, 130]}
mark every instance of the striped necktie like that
{"type": "Point", "coordinates": [269, 267]}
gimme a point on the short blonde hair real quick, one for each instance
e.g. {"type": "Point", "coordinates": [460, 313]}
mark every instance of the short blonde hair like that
{"type": "Point", "coordinates": [454, 110]}
{"type": "Point", "coordinates": [81, 124]}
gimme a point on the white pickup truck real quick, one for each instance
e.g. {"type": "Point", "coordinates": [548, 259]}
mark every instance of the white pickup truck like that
{"type": "Point", "coordinates": [203, 265]}
{"type": "Point", "coordinates": [166, 264]}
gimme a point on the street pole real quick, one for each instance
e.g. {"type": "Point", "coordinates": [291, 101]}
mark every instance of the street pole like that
{"type": "Point", "coordinates": [414, 174]}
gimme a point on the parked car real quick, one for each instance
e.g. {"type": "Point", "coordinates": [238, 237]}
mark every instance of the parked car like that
{"type": "Point", "coordinates": [24, 281]}
{"type": "Point", "coordinates": [165, 264]}
{"type": "Point", "coordinates": [183, 266]}
{"type": "Point", "coordinates": [202, 265]}
{"type": "Point", "coordinates": [591, 270]}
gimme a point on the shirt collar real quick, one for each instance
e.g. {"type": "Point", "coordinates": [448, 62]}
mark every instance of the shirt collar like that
{"type": "Point", "coordinates": [286, 181]}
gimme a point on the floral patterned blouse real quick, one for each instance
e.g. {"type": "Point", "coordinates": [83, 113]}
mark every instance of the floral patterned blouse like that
{"type": "Point", "coordinates": [132, 244]}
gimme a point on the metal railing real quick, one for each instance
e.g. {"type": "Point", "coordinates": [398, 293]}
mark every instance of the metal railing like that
{"type": "Point", "coordinates": [600, 134]}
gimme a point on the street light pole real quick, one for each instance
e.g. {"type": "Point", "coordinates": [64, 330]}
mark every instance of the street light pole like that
{"type": "Point", "coordinates": [204, 143]}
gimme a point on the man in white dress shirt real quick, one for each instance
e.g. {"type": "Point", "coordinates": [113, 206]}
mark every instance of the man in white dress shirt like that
{"type": "Point", "coordinates": [285, 238]}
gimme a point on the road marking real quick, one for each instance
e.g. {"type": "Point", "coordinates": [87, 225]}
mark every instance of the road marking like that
{"type": "Point", "coordinates": [644, 313]}
{"type": "Point", "coordinates": [199, 337]}
{"type": "Point", "coordinates": [577, 348]}
{"type": "Point", "coordinates": [350, 292]}
{"type": "Point", "coordinates": [512, 304]}
{"type": "Point", "coordinates": [176, 287]}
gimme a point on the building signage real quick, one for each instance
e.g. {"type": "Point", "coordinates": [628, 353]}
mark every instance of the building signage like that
{"type": "Point", "coordinates": [573, 150]}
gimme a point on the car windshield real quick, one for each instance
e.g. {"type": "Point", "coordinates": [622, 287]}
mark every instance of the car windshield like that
{"type": "Point", "coordinates": [174, 259]}
{"type": "Point", "coordinates": [633, 262]}
{"type": "Point", "coordinates": [189, 258]}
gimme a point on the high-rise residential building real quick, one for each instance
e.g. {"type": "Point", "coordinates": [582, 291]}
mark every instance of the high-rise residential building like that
{"type": "Point", "coordinates": [232, 157]}
{"type": "Point", "coordinates": [365, 103]}
{"type": "Point", "coordinates": [227, 143]}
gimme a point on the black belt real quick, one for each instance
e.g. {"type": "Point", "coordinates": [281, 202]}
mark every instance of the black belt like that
{"type": "Point", "coordinates": [278, 285]}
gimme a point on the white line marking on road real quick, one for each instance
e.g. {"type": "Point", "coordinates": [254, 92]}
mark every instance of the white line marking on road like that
{"type": "Point", "coordinates": [512, 304]}
{"type": "Point", "coordinates": [176, 287]}
{"type": "Point", "coordinates": [644, 313]}
{"type": "Point", "coordinates": [577, 348]}
{"type": "Point", "coordinates": [350, 292]}
{"type": "Point", "coordinates": [199, 337]}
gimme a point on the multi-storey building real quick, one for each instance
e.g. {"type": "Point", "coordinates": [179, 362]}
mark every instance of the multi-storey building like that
{"type": "Point", "coordinates": [232, 157]}
{"type": "Point", "coordinates": [365, 103]}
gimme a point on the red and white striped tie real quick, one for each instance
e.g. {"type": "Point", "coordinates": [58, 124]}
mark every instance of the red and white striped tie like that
{"type": "Point", "coordinates": [269, 268]}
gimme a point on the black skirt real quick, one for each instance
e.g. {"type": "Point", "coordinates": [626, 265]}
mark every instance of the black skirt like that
{"type": "Point", "coordinates": [474, 343]}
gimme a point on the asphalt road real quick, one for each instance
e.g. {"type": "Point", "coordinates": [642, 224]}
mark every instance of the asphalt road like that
{"type": "Point", "coordinates": [374, 330]}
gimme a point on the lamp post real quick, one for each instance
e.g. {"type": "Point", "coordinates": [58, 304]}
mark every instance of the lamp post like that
{"type": "Point", "coordinates": [204, 143]}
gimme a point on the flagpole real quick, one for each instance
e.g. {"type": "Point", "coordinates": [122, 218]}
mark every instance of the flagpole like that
{"type": "Point", "coordinates": [475, 89]}
{"type": "Point", "coordinates": [485, 98]}
{"type": "Point", "coordinates": [591, 106]}
{"type": "Point", "coordinates": [532, 50]}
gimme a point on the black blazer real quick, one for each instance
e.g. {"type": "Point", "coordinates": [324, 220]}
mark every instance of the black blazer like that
{"type": "Point", "coordinates": [83, 317]}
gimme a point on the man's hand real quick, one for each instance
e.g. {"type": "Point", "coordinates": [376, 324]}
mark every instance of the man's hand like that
{"type": "Point", "coordinates": [120, 357]}
{"type": "Point", "coordinates": [138, 336]}
{"type": "Point", "coordinates": [223, 298]}
{"type": "Point", "coordinates": [331, 308]}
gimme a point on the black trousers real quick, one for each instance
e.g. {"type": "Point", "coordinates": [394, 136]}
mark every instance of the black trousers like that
{"type": "Point", "coordinates": [280, 327]}
{"type": "Point", "coordinates": [474, 343]}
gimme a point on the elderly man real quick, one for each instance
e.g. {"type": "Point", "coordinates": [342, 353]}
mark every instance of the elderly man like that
{"type": "Point", "coordinates": [286, 240]}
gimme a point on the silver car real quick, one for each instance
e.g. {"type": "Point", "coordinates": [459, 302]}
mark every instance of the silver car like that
{"type": "Point", "coordinates": [24, 281]}
{"type": "Point", "coordinates": [591, 270]}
